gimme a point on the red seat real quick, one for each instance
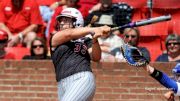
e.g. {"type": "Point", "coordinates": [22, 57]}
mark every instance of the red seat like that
{"type": "Point", "coordinates": [176, 26]}
{"type": "Point", "coordinates": [158, 29]}
{"type": "Point", "coordinates": [167, 4]}
{"type": "Point", "coordinates": [18, 51]}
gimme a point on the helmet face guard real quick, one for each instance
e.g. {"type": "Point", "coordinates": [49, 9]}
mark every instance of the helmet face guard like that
{"type": "Point", "coordinates": [69, 22]}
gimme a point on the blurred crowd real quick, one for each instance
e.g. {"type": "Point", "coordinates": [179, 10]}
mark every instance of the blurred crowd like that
{"type": "Point", "coordinates": [27, 25]}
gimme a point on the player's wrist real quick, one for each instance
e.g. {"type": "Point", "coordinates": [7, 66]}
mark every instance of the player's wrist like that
{"type": "Point", "coordinates": [94, 41]}
{"type": "Point", "coordinates": [92, 33]}
{"type": "Point", "coordinates": [156, 74]}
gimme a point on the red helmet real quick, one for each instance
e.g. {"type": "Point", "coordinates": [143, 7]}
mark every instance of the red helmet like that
{"type": "Point", "coordinates": [3, 35]}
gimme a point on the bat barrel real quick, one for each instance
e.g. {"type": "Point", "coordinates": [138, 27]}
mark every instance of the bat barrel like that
{"type": "Point", "coordinates": [153, 20]}
{"type": "Point", "coordinates": [143, 22]}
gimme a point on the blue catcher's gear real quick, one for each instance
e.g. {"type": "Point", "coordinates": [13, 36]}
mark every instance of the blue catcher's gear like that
{"type": "Point", "coordinates": [133, 56]}
{"type": "Point", "coordinates": [176, 69]}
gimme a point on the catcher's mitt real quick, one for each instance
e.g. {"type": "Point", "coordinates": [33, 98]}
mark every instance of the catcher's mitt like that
{"type": "Point", "coordinates": [133, 56]}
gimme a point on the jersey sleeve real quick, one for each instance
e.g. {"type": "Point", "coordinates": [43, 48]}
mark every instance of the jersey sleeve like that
{"type": "Point", "coordinates": [166, 81]}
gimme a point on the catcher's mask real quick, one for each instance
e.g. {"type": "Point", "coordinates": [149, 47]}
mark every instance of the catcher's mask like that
{"type": "Point", "coordinates": [74, 14]}
{"type": "Point", "coordinates": [176, 72]}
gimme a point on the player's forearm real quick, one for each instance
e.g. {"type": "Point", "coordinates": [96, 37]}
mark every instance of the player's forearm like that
{"type": "Point", "coordinates": [96, 50]}
{"type": "Point", "coordinates": [163, 78]}
{"type": "Point", "coordinates": [75, 33]}
{"type": "Point", "coordinates": [80, 32]}
{"type": "Point", "coordinates": [69, 34]}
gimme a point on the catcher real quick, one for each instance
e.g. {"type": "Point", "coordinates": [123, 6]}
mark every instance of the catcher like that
{"type": "Point", "coordinates": [165, 80]}
{"type": "Point", "coordinates": [135, 58]}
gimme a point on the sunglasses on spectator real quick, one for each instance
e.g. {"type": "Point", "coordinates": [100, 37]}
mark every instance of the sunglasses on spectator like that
{"type": "Point", "coordinates": [174, 43]}
{"type": "Point", "coordinates": [35, 46]}
{"type": "Point", "coordinates": [132, 36]}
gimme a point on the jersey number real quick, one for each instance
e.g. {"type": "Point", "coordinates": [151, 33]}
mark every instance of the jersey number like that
{"type": "Point", "coordinates": [80, 48]}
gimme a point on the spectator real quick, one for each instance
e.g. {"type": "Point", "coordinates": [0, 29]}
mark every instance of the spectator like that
{"type": "Point", "coordinates": [54, 5]}
{"type": "Point", "coordinates": [95, 7]}
{"type": "Point", "coordinates": [122, 12]}
{"type": "Point", "coordinates": [3, 43]}
{"type": "Point", "coordinates": [105, 10]}
{"type": "Point", "coordinates": [20, 19]}
{"type": "Point", "coordinates": [108, 42]}
{"type": "Point", "coordinates": [131, 36]}
{"type": "Point", "coordinates": [38, 50]}
{"type": "Point", "coordinates": [47, 9]}
{"type": "Point", "coordinates": [173, 49]}
{"type": "Point", "coordinates": [51, 4]}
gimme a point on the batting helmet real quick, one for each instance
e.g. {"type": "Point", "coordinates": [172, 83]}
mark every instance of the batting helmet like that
{"type": "Point", "coordinates": [74, 14]}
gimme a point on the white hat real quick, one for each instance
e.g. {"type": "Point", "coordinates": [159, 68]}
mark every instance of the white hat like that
{"type": "Point", "coordinates": [105, 20]}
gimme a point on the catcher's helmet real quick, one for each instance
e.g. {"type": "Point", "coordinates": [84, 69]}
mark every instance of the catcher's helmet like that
{"type": "Point", "coordinates": [72, 13]}
{"type": "Point", "coordinates": [3, 35]}
{"type": "Point", "coordinates": [176, 69]}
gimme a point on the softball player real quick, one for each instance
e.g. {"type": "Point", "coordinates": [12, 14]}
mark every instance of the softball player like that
{"type": "Point", "coordinates": [70, 54]}
{"type": "Point", "coordinates": [165, 80]}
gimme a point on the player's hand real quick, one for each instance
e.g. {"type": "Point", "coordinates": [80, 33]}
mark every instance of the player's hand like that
{"type": "Point", "coordinates": [169, 96]}
{"type": "Point", "coordinates": [102, 31]}
{"type": "Point", "coordinates": [106, 30]}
